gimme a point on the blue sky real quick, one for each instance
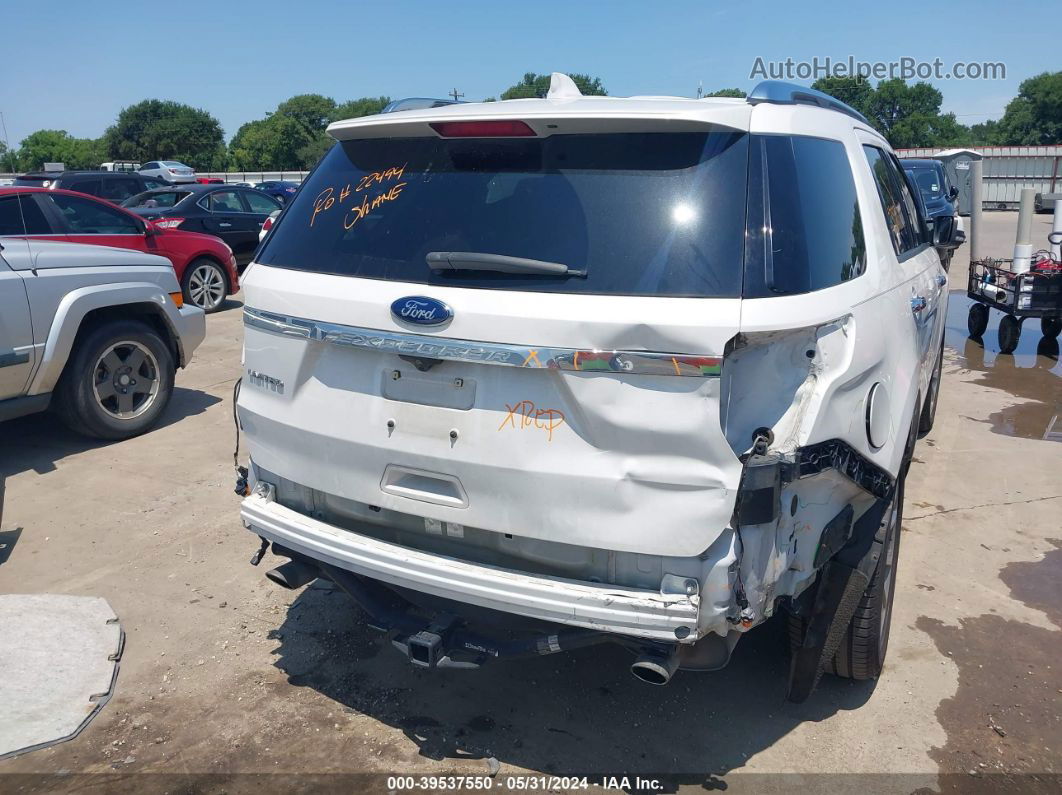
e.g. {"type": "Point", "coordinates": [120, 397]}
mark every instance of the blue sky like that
{"type": "Point", "coordinates": [74, 69]}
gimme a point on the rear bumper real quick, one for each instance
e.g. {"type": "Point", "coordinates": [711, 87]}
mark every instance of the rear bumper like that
{"type": "Point", "coordinates": [607, 608]}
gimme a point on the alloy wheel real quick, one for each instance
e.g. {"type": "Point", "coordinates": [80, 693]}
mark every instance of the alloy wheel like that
{"type": "Point", "coordinates": [126, 380]}
{"type": "Point", "coordinates": [206, 287]}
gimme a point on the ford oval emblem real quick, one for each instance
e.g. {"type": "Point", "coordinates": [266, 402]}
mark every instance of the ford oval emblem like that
{"type": "Point", "coordinates": [421, 310]}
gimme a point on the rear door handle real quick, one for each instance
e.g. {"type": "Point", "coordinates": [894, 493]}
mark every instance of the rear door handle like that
{"type": "Point", "coordinates": [224, 224]}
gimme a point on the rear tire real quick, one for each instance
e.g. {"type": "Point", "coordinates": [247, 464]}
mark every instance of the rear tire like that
{"type": "Point", "coordinates": [204, 285]}
{"type": "Point", "coordinates": [929, 407]}
{"type": "Point", "coordinates": [117, 381]}
{"type": "Point", "coordinates": [861, 654]}
{"type": "Point", "coordinates": [977, 320]}
{"type": "Point", "coordinates": [1009, 333]}
{"type": "Point", "coordinates": [1050, 327]}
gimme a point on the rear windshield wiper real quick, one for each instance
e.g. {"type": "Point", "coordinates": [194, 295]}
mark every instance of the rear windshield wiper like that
{"type": "Point", "coordinates": [473, 261]}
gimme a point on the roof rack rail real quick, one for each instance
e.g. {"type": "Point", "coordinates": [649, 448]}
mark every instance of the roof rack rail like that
{"type": "Point", "coordinates": [778, 92]}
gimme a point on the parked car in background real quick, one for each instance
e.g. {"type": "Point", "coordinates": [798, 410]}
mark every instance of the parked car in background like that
{"type": "Point", "coordinates": [938, 196]}
{"type": "Point", "coordinates": [93, 332]}
{"type": "Point", "coordinates": [281, 190]}
{"type": "Point", "coordinates": [204, 266]}
{"type": "Point", "coordinates": [652, 373]}
{"type": "Point", "coordinates": [268, 224]}
{"type": "Point", "coordinates": [169, 171]}
{"type": "Point", "coordinates": [230, 212]}
{"type": "Point", "coordinates": [210, 180]}
{"type": "Point", "coordinates": [120, 165]}
{"type": "Point", "coordinates": [112, 186]}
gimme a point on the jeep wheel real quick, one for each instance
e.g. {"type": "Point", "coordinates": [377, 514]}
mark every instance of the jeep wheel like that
{"type": "Point", "coordinates": [977, 320]}
{"type": "Point", "coordinates": [1050, 327]}
{"type": "Point", "coordinates": [117, 382]}
{"type": "Point", "coordinates": [929, 407]}
{"type": "Point", "coordinates": [204, 285]}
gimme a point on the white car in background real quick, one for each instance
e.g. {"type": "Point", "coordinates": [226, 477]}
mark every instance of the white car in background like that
{"type": "Point", "coordinates": [649, 370]}
{"type": "Point", "coordinates": [169, 171]}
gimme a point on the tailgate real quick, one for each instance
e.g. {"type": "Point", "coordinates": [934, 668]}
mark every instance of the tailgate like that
{"type": "Point", "coordinates": [618, 453]}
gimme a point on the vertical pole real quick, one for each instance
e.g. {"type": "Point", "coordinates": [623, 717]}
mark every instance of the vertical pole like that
{"type": "Point", "coordinates": [976, 200]}
{"type": "Point", "coordinates": [1056, 254]}
{"type": "Point", "coordinates": [1023, 247]}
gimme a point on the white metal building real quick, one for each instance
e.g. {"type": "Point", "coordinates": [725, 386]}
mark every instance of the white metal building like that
{"type": "Point", "coordinates": [1008, 169]}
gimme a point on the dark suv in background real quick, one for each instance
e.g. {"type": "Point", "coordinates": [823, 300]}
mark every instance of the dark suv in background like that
{"type": "Point", "coordinates": [112, 186]}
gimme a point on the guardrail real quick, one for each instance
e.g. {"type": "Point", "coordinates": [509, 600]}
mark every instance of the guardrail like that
{"type": "Point", "coordinates": [236, 176]}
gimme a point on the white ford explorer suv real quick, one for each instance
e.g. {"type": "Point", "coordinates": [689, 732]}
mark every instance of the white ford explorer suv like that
{"type": "Point", "coordinates": [532, 375]}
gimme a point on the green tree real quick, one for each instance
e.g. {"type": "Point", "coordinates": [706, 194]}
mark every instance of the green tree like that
{"type": "Point", "coordinates": [907, 115]}
{"type": "Point", "coordinates": [856, 92]}
{"type": "Point", "coordinates": [57, 146]}
{"type": "Point", "coordinates": [365, 106]}
{"type": "Point", "coordinates": [985, 134]}
{"type": "Point", "coordinates": [270, 143]}
{"type": "Point", "coordinates": [8, 159]}
{"type": "Point", "coordinates": [311, 111]}
{"type": "Point", "coordinates": [163, 130]}
{"type": "Point", "coordinates": [727, 92]}
{"type": "Point", "coordinates": [535, 85]}
{"type": "Point", "coordinates": [1034, 117]}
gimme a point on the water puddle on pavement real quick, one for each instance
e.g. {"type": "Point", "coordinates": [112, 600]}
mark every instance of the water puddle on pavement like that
{"type": "Point", "coordinates": [1003, 728]}
{"type": "Point", "coordinates": [1032, 374]}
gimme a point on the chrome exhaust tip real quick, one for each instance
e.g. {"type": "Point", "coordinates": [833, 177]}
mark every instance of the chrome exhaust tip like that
{"type": "Point", "coordinates": [656, 667]}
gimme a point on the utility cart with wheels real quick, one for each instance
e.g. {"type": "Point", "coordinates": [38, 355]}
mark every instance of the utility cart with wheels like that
{"type": "Point", "coordinates": [1036, 293]}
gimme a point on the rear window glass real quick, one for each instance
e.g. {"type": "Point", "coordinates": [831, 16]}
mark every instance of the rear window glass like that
{"type": "Point", "coordinates": [639, 213]}
{"type": "Point", "coordinates": [166, 198]}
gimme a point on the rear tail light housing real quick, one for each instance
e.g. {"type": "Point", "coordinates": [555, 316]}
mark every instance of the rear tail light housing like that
{"type": "Point", "coordinates": [498, 128]}
{"type": "Point", "coordinates": [267, 224]}
{"type": "Point", "coordinates": [169, 223]}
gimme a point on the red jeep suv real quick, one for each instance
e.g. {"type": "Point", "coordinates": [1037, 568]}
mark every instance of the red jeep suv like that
{"type": "Point", "coordinates": [204, 265]}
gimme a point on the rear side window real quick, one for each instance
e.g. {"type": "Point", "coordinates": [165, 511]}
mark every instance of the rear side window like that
{"type": "Point", "coordinates": [639, 213]}
{"type": "Point", "coordinates": [120, 189]}
{"type": "Point", "coordinates": [901, 217]}
{"type": "Point", "coordinates": [804, 228]}
{"type": "Point", "coordinates": [160, 199]}
{"type": "Point", "coordinates": [89, 186]}
{"type": "Point", "coordinates": [223, 201]}
{"type": "Point", "coordinates": [20, 215]}
{"type": "Point", "coordinates": [87, 217]}
{"type": "Point", "coordinates": [260, 203]}
{"type": "Point", "coordinates": [10, 217]}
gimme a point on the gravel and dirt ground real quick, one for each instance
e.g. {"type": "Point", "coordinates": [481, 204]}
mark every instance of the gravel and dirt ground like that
{"type": "Point", "coordinates": [225, 675]}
